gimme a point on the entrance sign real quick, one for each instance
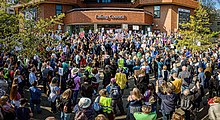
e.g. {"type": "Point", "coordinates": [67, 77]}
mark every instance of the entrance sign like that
{"type": "Point", "coordinates": [109, 17]}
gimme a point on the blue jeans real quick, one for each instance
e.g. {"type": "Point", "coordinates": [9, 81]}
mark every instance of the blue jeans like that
{"type": "Point", "coordinates": [65, 116]}
{"type": "Point", "coordinates": [37, 103]}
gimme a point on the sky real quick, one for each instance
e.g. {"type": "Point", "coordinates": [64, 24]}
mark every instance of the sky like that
{"type": "Point", "coordinates": [217, 5]}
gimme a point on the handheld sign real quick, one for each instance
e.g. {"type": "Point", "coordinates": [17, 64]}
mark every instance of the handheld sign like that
{"type": "Point", "coordinates": [60, 71]}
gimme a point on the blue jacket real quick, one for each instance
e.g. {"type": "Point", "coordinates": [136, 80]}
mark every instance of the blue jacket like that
{"type": "Point", "coordinates": [168, 102]}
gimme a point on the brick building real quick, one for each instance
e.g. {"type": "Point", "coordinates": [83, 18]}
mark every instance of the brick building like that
{"type": "Point", "coordinates": [97, 15]}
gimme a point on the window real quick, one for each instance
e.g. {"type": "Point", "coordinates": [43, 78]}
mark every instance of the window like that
{"type": "Point", "coordinates": [218, 23]}
{"type": "Point", "coordinates": [184, 16]}
{"type": "Point", "coordinates": [107, 1]}
{"type": "Point", "coordinates": [58, 9]}
{"type": "Point", "coordinates": [156, 11]}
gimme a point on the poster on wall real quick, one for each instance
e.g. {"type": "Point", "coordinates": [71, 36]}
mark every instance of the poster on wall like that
{"type": "Point", "coordinates": [124, 26]}
{"type": "Point", "coordinates": [135, 27]}
{"type": "Point", "coordinates": [30, 14]}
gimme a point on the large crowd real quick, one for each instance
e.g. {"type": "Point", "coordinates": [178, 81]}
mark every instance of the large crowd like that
{"type": "Point", "coordinates": [85, 76]}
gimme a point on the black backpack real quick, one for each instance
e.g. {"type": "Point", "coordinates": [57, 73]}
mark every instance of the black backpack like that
{"type": "Point", "coordinates": [23, 113]}
{"type": "Point", "coordinates": [59, 103]}
{"type": "Point", "coordinates": [114, 93]}
{"type": "Point", "coordinates": [71, 83]}
{"type": "Point", "coordinates": [186, 103]}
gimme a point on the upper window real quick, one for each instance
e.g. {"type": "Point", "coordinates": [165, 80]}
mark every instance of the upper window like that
{"type": "Point", "coordinates": [107, 1]}
{"type": "Point", "coordinates": [58, 9]}
{"type": "Point", "coordinates": [156, 11]}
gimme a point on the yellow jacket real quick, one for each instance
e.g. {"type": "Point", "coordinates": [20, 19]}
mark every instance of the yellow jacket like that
{"type": "Point", "coordinates": [106, 102]}
{"type": "Point", "coordinates": [121, 80]}
{"type": "Point", "coordinates": [177, 85]}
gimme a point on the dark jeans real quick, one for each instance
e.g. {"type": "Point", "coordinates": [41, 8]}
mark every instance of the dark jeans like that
{"type": "Point", "coordinates": [119, 103]}
{"type": "Point", "coordinates": [167, 116]}
{"type": "Point", "coordinates": [53, 106]}
{"type": "Point", "coordinates": [37, 103]}
{"type": "Point", "coordinates": [75, 95]}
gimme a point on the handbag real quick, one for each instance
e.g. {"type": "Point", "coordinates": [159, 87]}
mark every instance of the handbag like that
{"type": "Point", "coordinates": [96, 106]}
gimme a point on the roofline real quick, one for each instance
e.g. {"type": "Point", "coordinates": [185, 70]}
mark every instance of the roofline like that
{"type": "Point", "coordinates": [109, 8]}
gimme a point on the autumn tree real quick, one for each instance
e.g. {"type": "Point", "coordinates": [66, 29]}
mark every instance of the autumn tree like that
{"type": "Point", "coordinates": [196, 34]}
{"type": "Point", "coordinates": [23, 35]}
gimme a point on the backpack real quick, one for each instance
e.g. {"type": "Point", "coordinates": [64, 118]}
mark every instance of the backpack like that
{"type": "Point", "coordinates": [114, 93]}
{"type": "Point", "coordinates": [23, 113]}
{"type": "Point", "coordinates": [186, 104]}
{"type": "Point", "coordinates": [71, 83]}
{"type": "Point", "coordinates": [59, 103]}
{"type": "Point", "coordinates": [80, 115]}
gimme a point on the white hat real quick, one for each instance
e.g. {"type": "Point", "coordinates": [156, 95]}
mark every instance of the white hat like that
{"type": "Point", "coordinates": [84, 102]}
{"type": "Point", "coordinates": [74, 71]}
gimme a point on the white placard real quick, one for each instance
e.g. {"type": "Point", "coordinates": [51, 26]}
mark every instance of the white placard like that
{"type": "Point", "coordinates": [124, 26]}
{"type": "Point", "coordinates": [60, 71]}
{"type": "Point", "coordinates": [111, 31]}
{"type": "Point", "coordinates": [135, 27]}
{"type": "Point", "coordinates": [150, 34]}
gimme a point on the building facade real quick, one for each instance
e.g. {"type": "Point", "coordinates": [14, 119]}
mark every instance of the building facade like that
{"type": "Point", "coordinates": [97, 15]}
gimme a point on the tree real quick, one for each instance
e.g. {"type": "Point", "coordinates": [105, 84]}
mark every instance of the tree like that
{"type": "Point", "coordinates": [196, 34]}
{"type": "Point", "coordinates": [25, 36]}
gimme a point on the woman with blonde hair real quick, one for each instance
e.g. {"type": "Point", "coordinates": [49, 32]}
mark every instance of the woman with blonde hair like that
{"type": "Point", "coordinates": [101, 117]}
{"type": "Point", "coordinates": [135, 102]}
{"type": "Point", "coordinates": [66, 107]}
{"type": "Point", "coordinates": [106, 103]}
{"type": "Point", "coordinates": [214, 109]}
{"type": "Point", "coordinates": [165, 73]}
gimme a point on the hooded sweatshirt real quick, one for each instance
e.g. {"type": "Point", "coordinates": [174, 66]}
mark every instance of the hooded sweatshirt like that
{"type": "Point", "coordinates": [168, 102]}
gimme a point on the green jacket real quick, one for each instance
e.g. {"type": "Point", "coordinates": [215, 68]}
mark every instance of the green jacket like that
{"type": "Point", "coordinates": [143, 116]}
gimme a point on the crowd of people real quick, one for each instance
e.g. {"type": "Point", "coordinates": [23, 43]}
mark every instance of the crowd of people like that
{"type": "Point", "coordinates": [85, 77]}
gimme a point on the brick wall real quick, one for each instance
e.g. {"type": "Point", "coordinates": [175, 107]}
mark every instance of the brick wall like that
{"type": "Point", "coordinates": [168, 21]}
{"type": "Point", "coordinates": [132, 17]}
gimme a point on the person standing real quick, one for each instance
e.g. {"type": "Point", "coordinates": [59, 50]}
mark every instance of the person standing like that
{"type": "Point", "coordinates": [15, 96]}
{"type": "Point", "coordinates": [66, 106]}
{"type": "Point", "coordinates": [23, 112]}
{"type": "Point", "coordinates": [214, 109]}
{"type": "Point", "coordinates": [32, 76]}
{"type": "Point", "coordinates": [121, 80]}
{"type": "Point", "coordinates": [55, 92]}
{"type": "Point", "coordinates": [177, 86]}
{"type": "Point", "coordinates": [76, 79]}
{"type": "Point", "coordinates": [114, 92]}
{"type": "Point", "coordinates": [35, 97]}
{"type": "Point", "coordinates": [168, 102]}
